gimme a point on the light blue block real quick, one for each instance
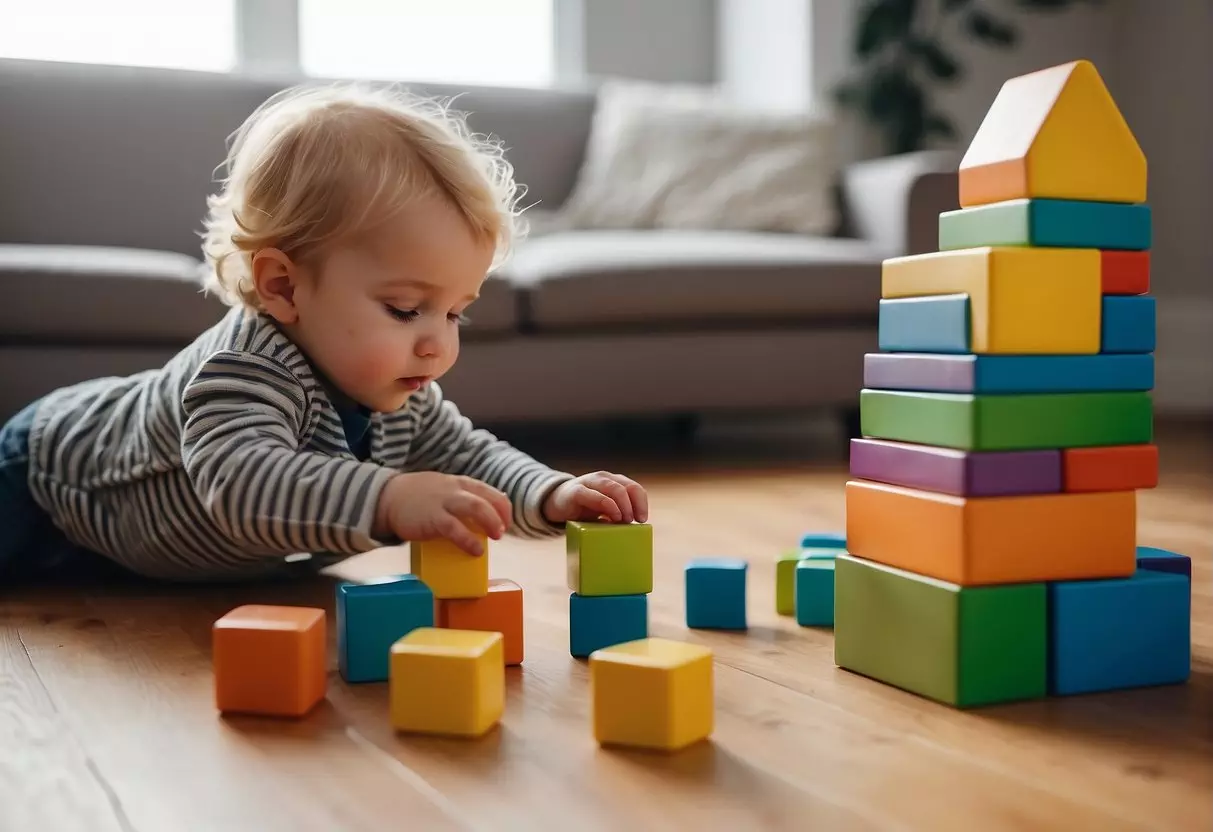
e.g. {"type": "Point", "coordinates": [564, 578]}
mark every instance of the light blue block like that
{"type": "Point", "coordinates": [1128, 324]}
{"type": "Point", "coordinates": [1119, 633]}
{"type": "Point", "coordinates": [597, 621]}
{"type": "Point", "coordinates": [715, 593]}
{"type": "Point", "coordinates": [937, 323]}
{"type": "Point", "coordinates": [823, 540]}
{"type": "Point", "coordinates": [815, 593]}
{"type": "Point", "coordinates": [371, 617]}
{"type": "Point", "coordinates": [1090, 224]}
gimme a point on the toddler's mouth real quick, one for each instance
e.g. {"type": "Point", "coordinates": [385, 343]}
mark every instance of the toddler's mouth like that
{"type": "Point", "coordinates": [413, 382]}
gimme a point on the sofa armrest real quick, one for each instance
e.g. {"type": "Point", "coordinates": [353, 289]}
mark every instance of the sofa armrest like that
{"type": "Point", "coordinates": [895, 202]}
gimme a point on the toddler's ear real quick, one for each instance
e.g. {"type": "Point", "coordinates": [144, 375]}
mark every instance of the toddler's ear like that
{"type": "Point", "coordinates": [274, 277]}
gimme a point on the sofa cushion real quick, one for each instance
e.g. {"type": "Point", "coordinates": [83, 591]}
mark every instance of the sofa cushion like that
{"type": "Point", "coordinates": [656, 278]}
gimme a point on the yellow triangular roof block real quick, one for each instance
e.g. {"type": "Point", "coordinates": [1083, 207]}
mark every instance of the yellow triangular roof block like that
{"type": "Point", "coordinates": [1057, 134]}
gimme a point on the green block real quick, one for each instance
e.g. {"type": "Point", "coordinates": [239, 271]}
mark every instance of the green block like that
{"type": "Point", "coordinates": [609, 558]}
{"type": "Point", "coordinates": [964, 646]}
{"type": "Point", "coordinates": [815, 592]}
{"type": "Point", "coordinates": [785, 582]}
{"type": "Point", "coordinates": [993, 422]}
{"type": "Point", "coordinates": [1047, 223]}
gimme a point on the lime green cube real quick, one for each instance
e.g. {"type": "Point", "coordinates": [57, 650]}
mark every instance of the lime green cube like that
{"type": "Point", "coordinates": [609, 558]}
{"type": "Point", "coordinates": [785, 581]}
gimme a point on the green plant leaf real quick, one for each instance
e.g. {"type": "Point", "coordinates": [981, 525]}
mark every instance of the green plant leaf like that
{"type": "Point", "coordinates": [883, 22]}
{"type": "Point", "coordinates": [939, 63]}
{"type": "Point", "coordinates": [937, 124]}
{"type": "Point", "coordinates": [851, 95]}
{"type": "Point", "coordinates": [990, 29]}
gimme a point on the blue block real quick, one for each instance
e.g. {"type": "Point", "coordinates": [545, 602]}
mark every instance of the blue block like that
{"type": "Point", "coordinates": [1088, 224]}
{"type": "Point", "coordinates": [597, 621]}
{"type": "Point", "coordinates": [815, 593]}
{"type": "Point", "coordinates": [371, 617]}
{"type": "Point", "coordinates": [1128, 323]}
{"type": "Point", "coordinates": [823, 540]}
{"type": "Point", "coordinates": [937, 323]}
{"type": "Point", "coordinates": [1008, 373]}
{"type": "Point", "coordinates": [1163, 560]}
{"type": "Point", "coordinates": [1119, 633]}
{"type": "Point", "coordinates": [715, 593]}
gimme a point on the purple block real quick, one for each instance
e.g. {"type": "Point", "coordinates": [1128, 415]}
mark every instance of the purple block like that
{"type": "Point", "coordinates": [1163, 560]}
{"type": "Point", "coordinates": [950, 471]}
{"type": "Point", "coordinates": [946, 373]}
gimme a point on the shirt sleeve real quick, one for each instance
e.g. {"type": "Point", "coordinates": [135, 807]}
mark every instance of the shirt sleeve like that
{"type": "Point", "coordinates": [241, 447]}
{"type": "Point", "coordinates": [448, 442]}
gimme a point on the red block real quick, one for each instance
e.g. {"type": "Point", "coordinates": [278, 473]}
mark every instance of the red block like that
{"type": "Point", "coordinates": [500, 611]}
{"type": "Point", "coordinates": [1110, 468]}
{"type": "Point", "coordinates": [1125, 272]}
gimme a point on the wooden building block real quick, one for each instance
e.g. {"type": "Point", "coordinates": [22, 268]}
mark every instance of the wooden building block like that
{"type": "Point", "coordinates": [1123, 633]}
{"type": "Point", "coordinates": [1164, 560]}
{"type": "Point", "coordinates": [949, 471]}
{"type": "Point", "coordinates": [373, 616]}
{"type": "Point", "coordinates": [820, 553]}
{"type": "Point", "coordinates": [1128, 324]}
{"type": "Point", "coordinates": [1110, 468]}
{"type": "Point", "coordinates": [447, 682]}
{"type": "Point", "coordinates": [975, 541]}
{"type": "Point", "coordinates": [653, 693]}
{"type": "Point", "coordinates": [270, 660]}
{"type": "Point", "coordinates": [449, 571]}
{"type": "Point", "coordinates": [964, 646]}
{"type": "Point", "coordinates": [1008, 373]}
{"type": "Point", "coordinates": [1021, 300]}
{"type": "Point", "coordinates": [1055, 134]}
{"type": "Point", "coordinates": [980, 422]}
{"type": "Point", "coordinates": [716, 593]}
{"type": "Point", "coordinates": [597, 621]}
{"type": "Point", "coordinates": [815, 592]}
{"type": "Point", "coordinates": [938, 323]}
{"type": "Point", "coordinates": [785, 581]}
{"type": "Point", "coordinates": [1125, 272]}
{"type": "Point", "coordinates": [823, 540]}
{"type": "Point", "coordinates": [609, 558]}
{"type": "Point", "coordinates": [1064, 223]}
{"type": "Point", "coordinates": [500, 611]}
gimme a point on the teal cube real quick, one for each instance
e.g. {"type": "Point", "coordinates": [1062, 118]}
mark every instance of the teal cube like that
{"type": "Point", "coordinates": [597, 621]}
{"type": "Point", "coordinates": [815, 592]}
{"type": "Point", "coordinates": [1129, 324]}
{"type": "Point", "coordinates": [823, 540]}
{"type": "Point", "coordinates": [373, 616]}
{"type": "Point", "coordinates": [716, 593]}
{"type": "Point", "coordinates": [609, 558]}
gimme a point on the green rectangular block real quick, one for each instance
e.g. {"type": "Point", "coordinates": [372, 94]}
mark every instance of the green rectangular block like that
{"type": "Point", "coordinates": [785, 581]}
{"type": "Point", "coordinates": [609, 558]}
{"type": "Point", "coordinates": [964, 646]}
{"type": "Point", "coordinates": [998, 422]}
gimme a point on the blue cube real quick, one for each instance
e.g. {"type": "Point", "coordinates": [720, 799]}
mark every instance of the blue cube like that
{"type": "Point", "coordinates": [715, 593]}
{"type": "Point", "coordinates": [1119, 633]}
{"type": "Point", "coordinates": [824, 540]}
{"type": "Point", "coordinates": [597, 621]}
{"type": "Point", "coordinates": [1128, 324]}
{"type": "Point", "coordinates": [815, 592]}
{"type": "Point", "coordinates": [1164, 560]}
{"type": "Point", "coordinates": [373, 616]}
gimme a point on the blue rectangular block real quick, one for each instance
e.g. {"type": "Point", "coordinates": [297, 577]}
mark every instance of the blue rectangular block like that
{"type": "Point", "coordinates": [1072, 223]}
{"type": "Point", "coordinates": [1128, 324]}
{"type": "Point", "coordinates": [373, 616]}
{"type": "Point", "coordinates": [937, 323]}
{"type": "Point", "coordinates": [1008, 373]}
{"type": "Point", "coordinates": [815, 592]}
{"type": "Point", "coordinates": [716, 593]}
{"type": "Point", "coordinates": [597, 621]}
{"type": "Point", "coordinates": [1119, 633]}
{"type": "Point", "coordinates": [1164, 560]}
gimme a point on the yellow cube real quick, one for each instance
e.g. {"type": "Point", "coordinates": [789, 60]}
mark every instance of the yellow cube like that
{"type": "Point", "coordinates": [449, 571]}
{"type": "Point", "coordinates": [449, 682]}
{"type": "Point", "coordinates": [652, 693]}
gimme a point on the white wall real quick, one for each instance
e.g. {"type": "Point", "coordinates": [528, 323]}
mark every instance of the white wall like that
{"type": "Point", "coordinates": [657, 40]}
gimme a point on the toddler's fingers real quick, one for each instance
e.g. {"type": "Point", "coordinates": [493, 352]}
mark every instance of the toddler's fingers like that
{"type": "Point", "coordinates": [618, 494]}
{"type": "Point", "coordinates": [455, 530]}
{"type": "Point", "coordinates": [478, 512]}
{"type": "Point", "coordinates": [500, 503]}
{"type": "Point", "coordinates": [598, 502]}
{"type": "Point", "coordinates": [639, 497]}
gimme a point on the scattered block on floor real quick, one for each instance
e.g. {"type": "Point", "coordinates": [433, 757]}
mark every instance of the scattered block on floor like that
{"type": "Point", "coordinates": [609, 558]}
{"type": "Point", "coordinates": [1122, 633]}
{"type": "Point", "coordinates": [500, 611]}
{"type": "Point", "coordinates": [820, 553]}
{"type": "Point", "coordinates": [951, 471]}
{"type": "Point", "coordinates": [1110, 468]}
{"type": "Point", "coordinates": [1064, 223]}
{"type": "Point", "coordinates": [448, 682]}
{"type": "Point", "coordinates": [598, 621]}
{"type": "Point", "coordinates": [716, 593]}
{"type": "Point", "coordinates": [373, 616]}
{"type": "Point", "coordinates": [937, 373]}
{"type": "Point", "coordinates": [652, 693]}
{"type": "Point", "coordinates": [785, 581]}
{"type": "Point", "coordinates": [1125, 272]}
{"type": "Point", "coordinates": [964, 646]}
{"type": "Point", "coordinates": [1128, 324]}
{"type": "Point", "coordinates": [1164, 560]}
{"type": "Point", "coordinates": [270, 660]}
{"type": "Point", "coordinates": [1055, 133]}
{"type": "Point", "coordinates": [815, 592]}
{"type": "Point", "coordinates": [933, 324]}
{"type": "Point", "coordinates": [983, 422]}
{"type": "Point", "coordinates": [1021, 300]}
{"type": "Point", "coordinates": [993, 540]}
{"type": "Point", "coordinates": [823, 540]}
{"type": "Point", "coordinates": [449, 571]}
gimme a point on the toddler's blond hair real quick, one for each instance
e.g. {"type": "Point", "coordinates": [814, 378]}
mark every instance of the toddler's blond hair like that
{"type": "Point", "coordinates": [315, 165]}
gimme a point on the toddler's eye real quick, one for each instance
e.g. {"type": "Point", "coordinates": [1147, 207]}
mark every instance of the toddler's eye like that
{"type": "Point", "coordinates": [402, 315]}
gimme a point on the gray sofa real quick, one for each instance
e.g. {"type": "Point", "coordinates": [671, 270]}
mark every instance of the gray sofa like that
{"type": "Point", "coordinates": [103, 177]}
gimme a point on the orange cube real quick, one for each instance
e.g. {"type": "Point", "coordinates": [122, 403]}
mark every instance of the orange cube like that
{"type": "Point", "coordinates": [1110, 468]}
{"type": "Point", "coordinates": [500, 612]}
{"type": "Point", "coordinates": [270, 660]}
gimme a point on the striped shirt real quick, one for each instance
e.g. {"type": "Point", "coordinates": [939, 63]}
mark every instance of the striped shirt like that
{"type": "Point", "coordinates": [233, 456]}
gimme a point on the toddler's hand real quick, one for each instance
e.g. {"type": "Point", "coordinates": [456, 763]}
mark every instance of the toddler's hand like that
{"type": "Point", "coordinates": [601, 494]}
{"type": "Point", "coordinates": [427, 505]}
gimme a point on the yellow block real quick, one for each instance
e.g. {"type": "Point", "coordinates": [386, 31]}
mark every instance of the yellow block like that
{"type": "Point", "coordinates": [449, 571]}
{"type": "Point", "coordinates": [652, 693]}
{"type": "Point", "coordinates": [449, 682]}
{"type": "Point", "coordinates": [1021, 299]}
{"type": "Point", "coordinates": [1055, 133]}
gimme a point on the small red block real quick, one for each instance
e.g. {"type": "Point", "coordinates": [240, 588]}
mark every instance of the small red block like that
{"type": "Point", "coordinates": [1110, 468]}
{"type": "Point", "coordinates": [1125, 272]}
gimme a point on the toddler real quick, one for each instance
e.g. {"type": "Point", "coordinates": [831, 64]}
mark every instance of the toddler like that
{"type": "Point", "coordinates": [353, 231]}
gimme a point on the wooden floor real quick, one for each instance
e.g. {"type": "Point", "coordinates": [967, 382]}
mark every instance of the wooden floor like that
{"type": "Point", "coordinates": [107, 721]}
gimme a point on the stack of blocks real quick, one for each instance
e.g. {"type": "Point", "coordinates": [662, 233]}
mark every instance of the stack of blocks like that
{"type": "Point", "coordinates": [610, 576]}
{"type": "Point", "coordinates": [1008, 422]}
{"type": "Point", "coordinates": [804, 579]}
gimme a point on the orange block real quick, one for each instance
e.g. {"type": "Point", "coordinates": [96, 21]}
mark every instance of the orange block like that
{"type": "Point", "coordinates": [1110, 468]}
{"type": "Point", "coordinates": [498, 612]}
{"type": "Point", "coordinates": [993, 540]}
{"type": "Point", "coordinates": [270, 660]}
{"type": "Point", "coordinates": [1125, 272]}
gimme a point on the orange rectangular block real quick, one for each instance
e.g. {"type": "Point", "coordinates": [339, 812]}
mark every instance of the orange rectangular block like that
{"type": "Point", "coordinates": [500, 611]}
{"type": "Point", "coordinates": [270, 660]}
{"type": "Point", "coordinates": [993, 540]}
{"type": "Point", "coordinates": [1124, 272]}
{"type": "Point", "coordinates": [1109, 468]}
